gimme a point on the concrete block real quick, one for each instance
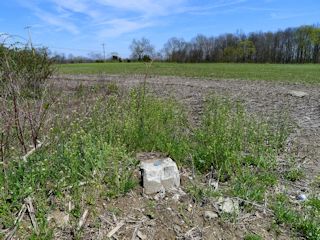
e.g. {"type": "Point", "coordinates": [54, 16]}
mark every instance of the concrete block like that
{"type": "Point", "coordinates": [158, 174]}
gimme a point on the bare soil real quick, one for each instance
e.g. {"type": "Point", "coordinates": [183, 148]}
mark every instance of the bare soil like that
{"type": "Point", "coordinates": [167, 219]}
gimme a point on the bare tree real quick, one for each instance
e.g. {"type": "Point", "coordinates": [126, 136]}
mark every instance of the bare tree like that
{"type": "Point", "coordinates": [175, 50]}
{"type": "Point", "coordinates": [141, 48]}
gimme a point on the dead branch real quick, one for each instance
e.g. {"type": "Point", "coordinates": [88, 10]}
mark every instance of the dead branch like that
{"type": "Point", "coordinates": [25, 157]}
{"type": "Point", "coordinates": [21, 214]}
{"type": "Point", "coordinates": [115, 229]}
{"type": "Point", "coordinates": [261, 207]}
{"type": "Point", "coordinates": [31, 211]}
{"type": "Point", "coordinates": [82, 219]}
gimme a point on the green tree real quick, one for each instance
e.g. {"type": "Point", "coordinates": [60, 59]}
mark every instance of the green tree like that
{"type": "Point", "coordinates": [246, 50]}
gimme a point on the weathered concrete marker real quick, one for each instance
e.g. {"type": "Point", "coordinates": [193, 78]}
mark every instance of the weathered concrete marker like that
{"type": "Point", "coordinates": [159, 174]}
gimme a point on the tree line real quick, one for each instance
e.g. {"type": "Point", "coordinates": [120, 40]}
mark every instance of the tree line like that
{"type": "Point", "coordinates": [292, 45]}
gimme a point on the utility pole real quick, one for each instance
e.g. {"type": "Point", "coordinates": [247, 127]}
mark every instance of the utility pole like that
{"type": "Point", "coordinates": [29, 34]}
{"type": "Point", "coordinates": [104, 52]}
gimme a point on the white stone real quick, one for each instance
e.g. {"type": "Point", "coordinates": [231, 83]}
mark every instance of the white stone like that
{"type": "Point", "coordinates": [161, 194]}
{"type": "Point", "coordinates": [214, 184]}
{"type": "Point", "coordinates": [158, 174]}
{"type": "Point", "coordinates": [177, 194]}
{"type": "Point", "coordinates": [209, 215]}
{"type": "Point", "coordinates": [299, 94]}
{"type": "Point", "coordinates": [229, 206]}
{"type": "Point", "coordinates": [301, 197]}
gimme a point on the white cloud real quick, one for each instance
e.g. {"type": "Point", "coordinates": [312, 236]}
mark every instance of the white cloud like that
{"type": "Point", "coordinates": [146, 7]}
{"type": "Point", "coordinates": [58, 21]}
{"type": "Point", "coordinates": [77, 6]}
{"type": "Point", "coordinates": [115, 17]}
{"type": "Point", "coordinates": [104, 17]}
{"type": "Point", "coordinates": [48, 18]}
{"type": "Point", "coordinates": [288, 15]}
{"type": "Point", "coordinates": [117, 27]}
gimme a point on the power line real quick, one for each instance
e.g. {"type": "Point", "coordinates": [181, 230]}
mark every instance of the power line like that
{"type": "Point", "coordinates": [29, 34]}
{"type": "Point", "coordinates": [104, 52]}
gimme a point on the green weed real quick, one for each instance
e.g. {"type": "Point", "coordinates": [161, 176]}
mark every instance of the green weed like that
{"type": "Point", "coordinates": [238, 147]}
{"type": "Point", "coordinates": [294, 174]}
{"type": "Point", "coordinates": [306, 221]}
{"type": "Point", "coordinates": [252, 237]}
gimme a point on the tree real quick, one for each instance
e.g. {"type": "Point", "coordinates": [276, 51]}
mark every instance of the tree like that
{"type": "Point", "coordinates": [246, 50]}
{"type": "Point", "coordinates": [175, 50]}
{"type": "Point", "coordinates": [292, 45]}
{"type": "Point", "coordinates": [141, 49]}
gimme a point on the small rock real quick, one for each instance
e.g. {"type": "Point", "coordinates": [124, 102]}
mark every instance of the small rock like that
{"type": "Point", "coordinates": [176, 197]}
{"type": "Point", "coordinates": [177, 228]}
{"type": "Point", "coordinates": [60, 218]}
{"type": "Point", "coordinates": [151, 223]}
{"type": "Point", "coordinates": [209, 215]}
{"type": "Point", "coordinates": [141, 235]}
{"type": "Point", "coordinates": [298, 94]}
{"type": "Point", "coordinates": [178, 193]}
{"type": "Point", "coordinates": [161, 195]}
{"type": "Point", "coordinates": [189, 209]}
{"type": "Point", "coordinates": [301, 197]}
{"type": "Point", "coordinates": [214, 184]}
{"type": "Point", "coordinates": [229, 206]}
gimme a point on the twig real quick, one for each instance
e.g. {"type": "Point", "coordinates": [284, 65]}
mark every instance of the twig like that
{"type": "Point", "coordinates": [193, 168]}
{"type": "Point", "coordinates": [135, 232]}
{"type": "Point", "coordinates": [82, 219]}
{"type": "Point", "coordinates": [115, 229]}
{"type": "Point", "coordinates": [3, 231]}
{"type": "Point", "coordinates": [28, 203]}
{"type": "Point", "coordinates": [21, 213]}
{"type": "Point", "coordinates": [25, 157]}
{"type": "Point", "coordinates": [71, 186]}
{"type": "Point", "coordinates": [262, 207]}
{"type": "Point", "coordinates": [265, 203]}
{"type": "Point", "coordinates": [105, 220]}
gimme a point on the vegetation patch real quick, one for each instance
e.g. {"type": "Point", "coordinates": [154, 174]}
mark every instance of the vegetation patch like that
{"type": "Point", "coordinates": [89, 155]}
{"type": "Point", "coordinates": [303, 218]}
{"type": "Point", "coordinates": [292, 73]}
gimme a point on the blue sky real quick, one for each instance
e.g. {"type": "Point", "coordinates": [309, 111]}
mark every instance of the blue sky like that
{"type": "Point", "coordinates": [81, 26]}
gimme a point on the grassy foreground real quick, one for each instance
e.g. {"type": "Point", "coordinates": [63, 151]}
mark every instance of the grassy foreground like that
{"type": "Point", "coordinates": [307, 73]}
{"type": "Point", "coordinates": [91, 156]}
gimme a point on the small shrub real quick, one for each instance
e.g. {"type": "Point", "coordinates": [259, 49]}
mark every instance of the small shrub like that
{"type": "Point", "coordinates": [24, 99]}
{"type": "Point", "coordinates": [112, 88]}
{"type": "Point", "coordinates": [27, 69]}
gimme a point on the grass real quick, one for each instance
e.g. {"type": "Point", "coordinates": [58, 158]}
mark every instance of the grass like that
{"type": "Point", "coordinates": [306, 73]}
{"type": "Point", "coordinates": [305, 220]}
{"type": "Point", "coordinates": [252, 237]}
{"type": "Point", "coordinates": [91, 156]}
